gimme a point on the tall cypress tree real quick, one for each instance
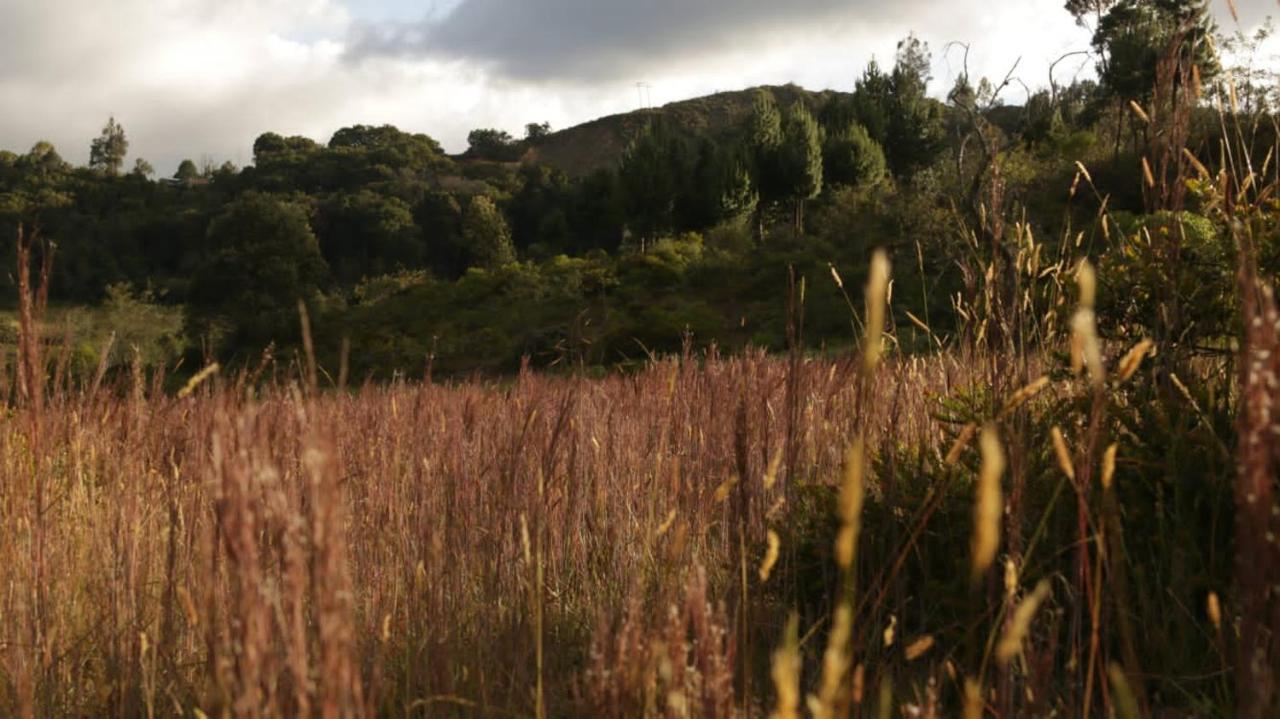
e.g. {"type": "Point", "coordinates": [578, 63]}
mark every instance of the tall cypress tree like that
{"type": "Point", "coordinates": [914, 134]}
{"type": "Point", "coordinates": [800, 161]}
{"type": "Point", "coordinates": [650, 174]}
{"type": "Point", "coordinates": [851, 157]}
{"type": "Point", "coordinates": [763, 143]}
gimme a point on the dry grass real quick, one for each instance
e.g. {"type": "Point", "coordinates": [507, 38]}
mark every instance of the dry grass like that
{"type": "Point", "coordinates": [272, 552]}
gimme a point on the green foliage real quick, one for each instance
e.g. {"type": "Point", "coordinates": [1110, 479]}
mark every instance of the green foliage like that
{"type": "Point", "coordinates": [485, 233]}
{"type": "Point", "coordinates": [650, 177]}
{"type": "Point", "coordinates": [914, 135]}
{"type": "Point", "coordinates": [763, 140]}
{"type": "Point", "coordinates": [1180, 262]}
{"type": "Point", "coordinates": [490, 144]}
{"type": "Point", "coordinates": [851, 157]}
{"type": "Point", "coordinates": [363, 234]}
{"type": "Point", "coordinates": [800, 159]}
{"type": "Point", "coordinates": [186, 172]}
{"type": "Point", "coordinates": [896, 111]}
{"type": "Point", "coordinates": [872, 101]}
{"type": "Point", "coordinates": [107, 151]}
{"type": "Point", "coordinates": [373, 290]}
{"type": "Point", "coordinates": [1134, 35]}
{"type": "Point", "coordinates": [265, 259]}
{"type": "Point", "coordinates": [535, 132]}
{"type": "Point", "coordinates": [143, 328]}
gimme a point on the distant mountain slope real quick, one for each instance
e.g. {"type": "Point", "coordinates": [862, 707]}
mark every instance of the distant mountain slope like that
{"type": "Point", "coordinates": [600, 143]}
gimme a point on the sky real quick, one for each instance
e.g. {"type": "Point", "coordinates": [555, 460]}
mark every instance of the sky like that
{"type": "Point", "coordinates": [201, 79]}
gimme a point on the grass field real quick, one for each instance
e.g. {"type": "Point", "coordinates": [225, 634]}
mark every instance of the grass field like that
{"type": "Point", "coordinates": [638, 545]}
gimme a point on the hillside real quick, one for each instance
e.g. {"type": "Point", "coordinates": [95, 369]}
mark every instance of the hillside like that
{"type": "Point", "coordinates": [598, 144]}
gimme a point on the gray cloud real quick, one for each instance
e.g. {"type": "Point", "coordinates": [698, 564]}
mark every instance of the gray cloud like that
{"type": "Point", "coordinates": [194, 77]}
{"type": "Point", "coordinates": [592, 40]}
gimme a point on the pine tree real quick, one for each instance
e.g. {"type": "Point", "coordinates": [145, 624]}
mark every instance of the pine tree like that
{"type": "Point", "coordinates": [650, 174]}
{"type": "Point", "coordinates": [107, 152]}
{"type": "Point", "coordinates": [851, 157]}
{"type": "Point", "coordinates": [914, 134]}
{"type": "Point", "coordinates": [1134, 35]}
{"type": "Point", "coordinates": [800, 160]}
{"type": "Point", "coordinates": [763, 143]}
{"type": "Point", "coordinates": [872, 98]}
{"type": "Point", "coordinates": [738, 194]}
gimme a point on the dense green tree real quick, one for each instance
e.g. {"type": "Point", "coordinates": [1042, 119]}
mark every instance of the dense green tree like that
{"type": "Point", "coordinates": [737, 193]}
{"type": "Point", "coordinates": [142, 168]}
{"type": "Point", "coordinates": [536, 131]}
{"type": "Point", "coordinates": [872, 101]}
{"type": "Point", "coordinates": [597, 215]}
{"type": "Point", "coordinates": [270, 144]}
{"type": "Point", "coordinates": [365, 234]}
{"type": "Point", "coordinates": [698, 200]}
{"type": "Point", "coordinates": [187, 172]}
{"type": "Point", "coordinates": [1085, 11]}
{"type": "Point", "coordinates": [800, 161]}
{"type": "Point", "coordinates": [897, 112]}
{"type": "Point", "coordinates": [914, 134]}
{"type": "Point", "coordinates": [439, 217]}
{"type": "Point", "coordinates": [264, 259]}
{"type": "Point", "coordinates": [44, 160]}
{"type": "Point", "coordinates": [1134, 35]}
{"type": "Point", "coordinates": [388, 146]}
{"type": "Point", "coordinates": [851, 157]}
{"type": "Point", "coordinates": [650, 173]}
{"type": "Point", "coordinates": [543, 191]}
{"type": "Point", "coordinates": [490, 144]}
{"type": "Point", "coordinates": [486, 234]}
{"type": "Point", "coordinates": [763, 140]}
{"type": "Point", "coordinates": [108, 150]}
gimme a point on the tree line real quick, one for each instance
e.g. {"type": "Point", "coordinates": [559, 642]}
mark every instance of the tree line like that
{"type": "Point", "coordinates": [379, 206]}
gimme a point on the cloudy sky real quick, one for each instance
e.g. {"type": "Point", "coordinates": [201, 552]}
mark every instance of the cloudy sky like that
{"type": "Point", "coordinates": [202, 78]}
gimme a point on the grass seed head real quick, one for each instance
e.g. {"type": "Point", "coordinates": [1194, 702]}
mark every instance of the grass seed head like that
{"type": "Point", "coordinates": [988, 505]}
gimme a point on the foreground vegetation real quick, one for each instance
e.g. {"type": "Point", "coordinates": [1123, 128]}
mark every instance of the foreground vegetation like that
{"type": "Point", "coordinates": [1026, 470]}
{"type": "Point", "coordinates": [1079, 525]}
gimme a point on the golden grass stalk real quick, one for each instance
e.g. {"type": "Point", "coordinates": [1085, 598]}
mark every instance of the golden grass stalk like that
{"type": "Point", "coordinates": [1109, 466]}
{"type": "Point", "coordinates": [962, 441]}
{"type": "Point", "coordinates": [1200, 168]}
{"type": "Point", "coordinates": [918, 648]}
{"type": "Point", "coordinates": [972, 699]}
{"type": "Point", "coordinates": [1213, 607]}
{"type": "Point", "coordinates": [989, 503]}
{"type": "Point", "coordinates": [1011, 641]}
{"type": "Point", "coordinates": [1132, 360]}
{"type": "Point", "coordinates": [890, 631]}
{"type": "Point", "coordinates": [1084, 171]}
{"type": "Point", "coordinates": [1086, 348]}
{"type": "Point", "coordinates": [198, 379]}
{"type": "Point", "coordinates": [786, 673]}
{"type": "Point", "coordinates": [877, 296]}
{"type": "Point", "coordinates": [1062, 453]}
{"type": "Point", "coordinates": [1023, 395]}
{"type": "Point", "coordinates": [771, 472]}
{"type": "Point", "coordinates": [835, 665]}
{"type": "Point", "coordinates": [770, 555]}
{"type": "Point", "coordinates": [1137, 110]}
{"type": "Point", "coordinates": [852, 495]}
{"type": "Point", "coordinates": [1126, 705]}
